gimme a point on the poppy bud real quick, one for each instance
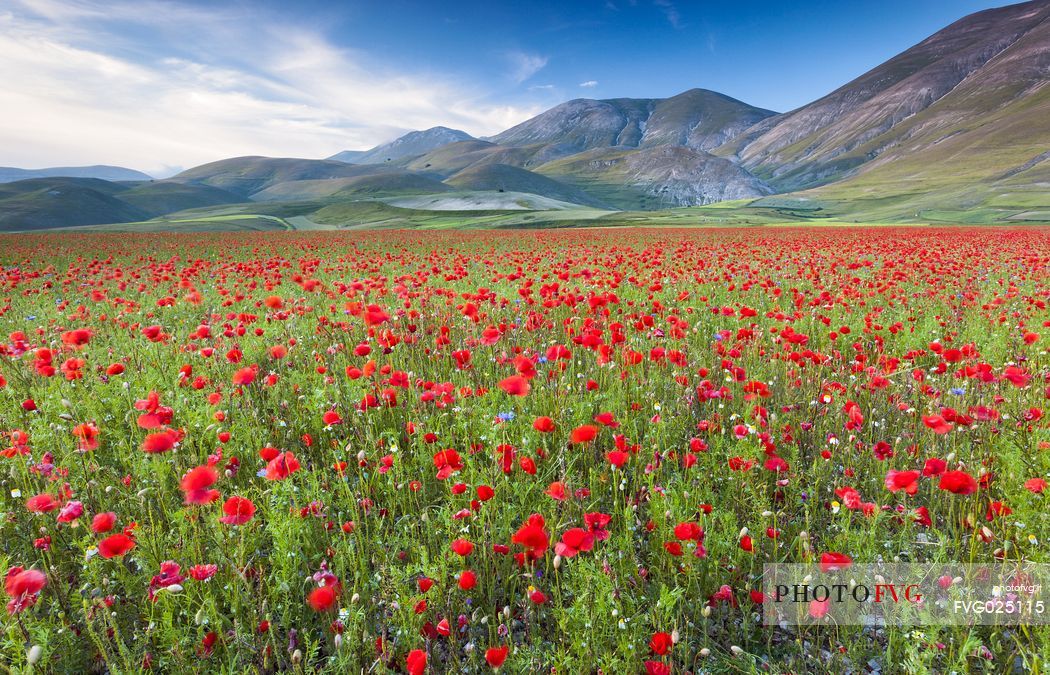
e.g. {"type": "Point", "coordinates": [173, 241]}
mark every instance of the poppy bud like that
{"type": "Point", "coordinates": [297, 656]}
{"type": "Point", "coordinates": [705, 652]}
{"type": "Point", "coordinates": [337, 641]}
{"type": "Point", "coordinates": [737, 651]}
{"type": "Point", "coordinates": [34, 654]}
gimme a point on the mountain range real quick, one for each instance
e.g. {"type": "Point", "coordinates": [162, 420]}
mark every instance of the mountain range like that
{"type": "Point", "coordinates": [954, 129]}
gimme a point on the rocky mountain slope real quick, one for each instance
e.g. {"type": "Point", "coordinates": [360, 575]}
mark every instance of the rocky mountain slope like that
{"type": "Point", "coordinates": [411, 144]}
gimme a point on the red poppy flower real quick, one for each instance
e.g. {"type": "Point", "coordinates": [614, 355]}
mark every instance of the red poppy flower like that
{"type": "Point", "coordinates": [934, 467]}
{"type": "Point", "coordinates": [832, 561]}
{"type": "Point", "coordinates": [468, 580]}
{"type": "Point", "coordinates": [87, 435]}
{"type": "Point", "coordinates": [238, 510]}
{"type": "Point", "coordinates": [958, 482]}
{"type": "Point", "coordinates": [416, 662]}
{"type": "Point", "coordinates": [584, 434]}
{"type": "Point", "coordinates": [574, 541]}
{"type": "Point", "coordinates": [556, 491]}
{"type": "Point", "coordinates": [533, 537]}
{"type": "Point", "coordinates": [544, 425]}
{"type": "Point", "coordinates": [496, 656]}
{"type": "Point", "coordinates": [244, 376]}
{"type": "Point", "coordinates": [661, 643]}
{"type": "Point", "coordinates": [103, 522]}
{"type": "Point", "coordinates": [657, 668]}
{"type": "Point", "coordinates": [937, 423]}
{"type": "Point", "coordinates": [323, 598]}
{"type": "Point", "coordinates": [1035, 485]}
{"type": "Point", "coordinates": [203, 572]}
{"type": "Point", "coordinates": [515, 385]}
{"type": "Point", "coordinates": [42, 503]}
{"type": "Point", "coordinates": [462, 547]}
{"type": "Point", "coordinates": [447, 462]}
{"type": "Point", "coordinates": [23, 587]}
{"type": "Point", "coordinates": [195, 485]}
{"type": "Point", "coordinates": [902, 480]}
{"type": "Point", "coordinates": [115, 545]}
{"type": "Point", "coordinates": [160, 442]}
{"type": "Point", "coordinates": [282, 466]}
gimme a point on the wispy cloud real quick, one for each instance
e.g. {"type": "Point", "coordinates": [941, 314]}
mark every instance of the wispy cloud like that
{"type": "Point", "coordinates": [589, 84]}
{"type": "Point", "coordinates": [541, 87]}
{"type": "Point", "coordinates": [524, 65]}
{"type": "Point", "coordinates": [151, 83]}
{"type": "Point", "coordinates": [674, 17]}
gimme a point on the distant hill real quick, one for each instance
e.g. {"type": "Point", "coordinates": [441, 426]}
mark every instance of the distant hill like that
{"type": "Point", "coordinates": [411, 144]}
{"type": "Point", "coordinates": [369, 185]}
{"type": "Point", "coordinates": [247, 175]}
{"type": "Point", "coordinates": [348, 156]}
{"type": "Point", "coordinates": [697, 118]}
{"type": "Point", "coordinates": [115, 173]}
{"type": "Point", "coordinates": [41, 203]}
{"type": "Point", "coordinates": [504, 178]}
{"type": "Point", "coordinates": [161, 197]}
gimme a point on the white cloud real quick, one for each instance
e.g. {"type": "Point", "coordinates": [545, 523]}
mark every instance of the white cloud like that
{"type": "Point", "coordinates": [194, 86]}
{"type": "Point", "coordinates": [674, 17]}
{"type": "Point", "coordinates": [589, 84]}
{"type": "Point", "coordinates": [524, 66]}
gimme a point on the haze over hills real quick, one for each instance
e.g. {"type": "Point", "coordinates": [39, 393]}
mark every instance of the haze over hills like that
{"type": "Point", "coordinates": [954, 129]}
{"type": "Point", "coordinates": [9, 174]}
{"type": "Point", "coordinates": [42, 203]}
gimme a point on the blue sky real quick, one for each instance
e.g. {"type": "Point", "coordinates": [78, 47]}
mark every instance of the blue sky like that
{"type": "Point", "coordinates": [158, 85]}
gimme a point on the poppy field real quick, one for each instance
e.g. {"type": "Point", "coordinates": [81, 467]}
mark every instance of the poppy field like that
{"type": "Point", "coordinates": [557, 451]}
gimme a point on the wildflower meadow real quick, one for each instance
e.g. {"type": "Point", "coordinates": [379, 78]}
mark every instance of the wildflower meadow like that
{"type": "Point", "coordinates": [534, 451]}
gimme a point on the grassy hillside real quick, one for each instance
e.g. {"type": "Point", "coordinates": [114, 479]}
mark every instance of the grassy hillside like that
{"type": "Point", "coordinates": [43, 203]}
{"type": "Point", "coordinates": [247, 175]}
{"type": "Point", "coordinates": [505, 178]}
{"type": "Point", "coordinates": [373, 185]}
{"type": "Point", "coordinates": [157, 198]}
